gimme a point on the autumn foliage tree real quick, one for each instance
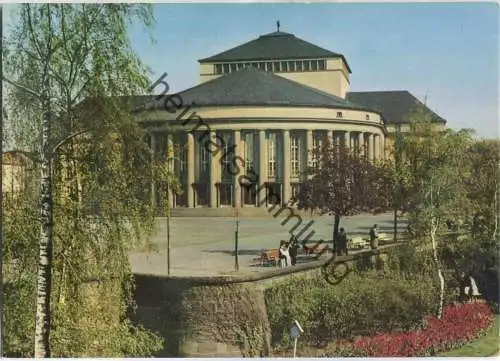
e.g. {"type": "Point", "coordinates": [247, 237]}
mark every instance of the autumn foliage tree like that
{"type": "Point", "coordinates": [343, 183]}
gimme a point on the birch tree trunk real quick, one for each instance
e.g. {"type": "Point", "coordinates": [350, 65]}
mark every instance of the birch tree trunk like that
{"type": "Point", "coordinates": [438, 265]}
{"type": "Point", "coordinates": [44, 277]}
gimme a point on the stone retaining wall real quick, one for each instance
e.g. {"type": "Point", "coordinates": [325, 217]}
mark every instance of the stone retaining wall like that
{"type": "Point", "coordinates": [213, 316]}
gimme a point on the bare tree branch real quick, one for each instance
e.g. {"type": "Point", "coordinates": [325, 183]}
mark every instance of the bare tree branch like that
{"type": "Point", "coordinates": [67, 139]}
{"type": "Point", "coordinates": [22, 87]}
{"type": "Point", "coordinates": [36, 45]}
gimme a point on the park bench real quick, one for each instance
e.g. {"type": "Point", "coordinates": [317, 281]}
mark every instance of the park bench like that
{"type": "Point", "coordinates": [384, 237]}
{"type": "Point", "coordinates": [317, 248]}
{"type": "Point", "coordinates": [271, 255]}
{"type": "Point", "coordinates": [358, 242]}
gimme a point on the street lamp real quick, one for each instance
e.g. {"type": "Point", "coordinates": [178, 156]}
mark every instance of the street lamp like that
{"type": "Point", "coordinates": [236, 231]}
{"type": "Point", "coordinates": [170, 157]}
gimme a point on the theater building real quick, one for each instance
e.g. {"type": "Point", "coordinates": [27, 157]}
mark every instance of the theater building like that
{"type": "Point", "coordinates": [269, 101]}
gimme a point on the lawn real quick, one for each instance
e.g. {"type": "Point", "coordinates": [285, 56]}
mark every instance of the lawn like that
{"type": "Point", "coordinates": [486, 345]}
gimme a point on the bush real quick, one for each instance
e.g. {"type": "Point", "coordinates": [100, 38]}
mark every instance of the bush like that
{"type": "Point", "coordinates": [360, 305]}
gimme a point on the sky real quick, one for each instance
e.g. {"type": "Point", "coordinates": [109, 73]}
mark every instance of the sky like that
{"type": "Point", "coordinates": [446, 54]}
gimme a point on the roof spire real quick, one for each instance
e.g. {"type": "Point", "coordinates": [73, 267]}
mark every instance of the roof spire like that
{"type": "Point", "coordinates": [278, 25]}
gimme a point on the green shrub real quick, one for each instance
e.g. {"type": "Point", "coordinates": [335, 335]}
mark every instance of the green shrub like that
{"type": "Point", "coordinates": [362, 304]}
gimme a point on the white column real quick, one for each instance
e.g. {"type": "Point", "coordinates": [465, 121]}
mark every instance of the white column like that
{"type": "Point", "coordinates": [238, 152]}
{"type": "Point", "coordinates": [347, 140]}
{"type": "Point", "coordinates": [188, 187]}
{"type": "Point", "coordinates": [329, 137]}
{"type": "Point", "coordinates": [262, 167]}
{"type": "Point", "coordinates": [287, 188]}
{"type": "Point", "coordinates": [382, 146]}
{"type": "Point", "coordinates": [370, 146]}
{"type": "Point", "coordinates": [360, 143]}
{"type": "Point", "coordinates": [377, 146]}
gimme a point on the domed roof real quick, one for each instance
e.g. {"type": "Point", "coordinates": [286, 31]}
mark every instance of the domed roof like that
{"type": "Point", "coordinates": [277, 45]}
{"type": "Point", "coordinates": [251, 86]}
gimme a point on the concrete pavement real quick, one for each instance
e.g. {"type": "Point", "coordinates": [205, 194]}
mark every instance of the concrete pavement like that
{"type": "Point", "coordinates": [205, 246]}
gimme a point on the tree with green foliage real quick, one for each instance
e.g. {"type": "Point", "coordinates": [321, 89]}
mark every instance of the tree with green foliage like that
{"type": "Point", "coordinates": [65, 259]}
{"type": "Point", "coordinates": [399, 179]}
{"type": "Point", "coordinates": [438, 173]}
{"type": "Point", "coordinates": [483, 185]}
{"type": "Point", "coordinates": [343, 183]}
{"type": "Point", "coordinates": [476, 251]}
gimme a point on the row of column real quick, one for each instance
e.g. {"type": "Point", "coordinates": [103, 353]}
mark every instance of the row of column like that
{"type": "Point", "coordinates": [375, 148]}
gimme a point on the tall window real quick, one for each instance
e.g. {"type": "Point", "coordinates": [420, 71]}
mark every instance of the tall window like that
{"type": "Point", "coordinates": [322, 64]}
{"type": "Point", "coordinates": [249, 151]}
{"type": "Point", "coordinates": [291, 66]}
{"type": "Point", "coordinates": [226, 68]}
{"type": "Point", "coordinates": [294, 155]}
{"type": "Point", "coordinates": [204, 156]}
{"type": "Point", "coordinates": [316, 145]}
{"type": "Point", "coordinates": [181, 153]}
{"type": "Point", "coordinates": [226, 156]}
{"type": "Point", "coordinates": [307, 65]}
{"type": "Point", "coordinates": [271, 155]}
{"type": "Point", "coordinates": [218, 68]}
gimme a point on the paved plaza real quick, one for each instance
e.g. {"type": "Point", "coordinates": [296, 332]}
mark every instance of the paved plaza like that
{"type": "Point", "coordinates": [205, 246]}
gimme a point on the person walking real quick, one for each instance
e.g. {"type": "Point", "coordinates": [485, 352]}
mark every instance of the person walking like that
{"type": "Point", "coordinates": [374, 237]}
{"type": "Point", "coordinates": [294, 248]}
{"type": "Point", "coordinates": [341, 243]}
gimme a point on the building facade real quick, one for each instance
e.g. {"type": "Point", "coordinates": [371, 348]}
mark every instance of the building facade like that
{"type": "Point", "coordinates": [263, 106]}
{"type": "Point", "coordinates": [14, 167]}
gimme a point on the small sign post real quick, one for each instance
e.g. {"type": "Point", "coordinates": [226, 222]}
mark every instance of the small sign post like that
{"type": "Point", "coordinates": [295, 331]}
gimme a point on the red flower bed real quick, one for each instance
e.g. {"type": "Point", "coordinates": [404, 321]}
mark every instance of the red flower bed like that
{"type": "Point", "coordinates": [458, 325]}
